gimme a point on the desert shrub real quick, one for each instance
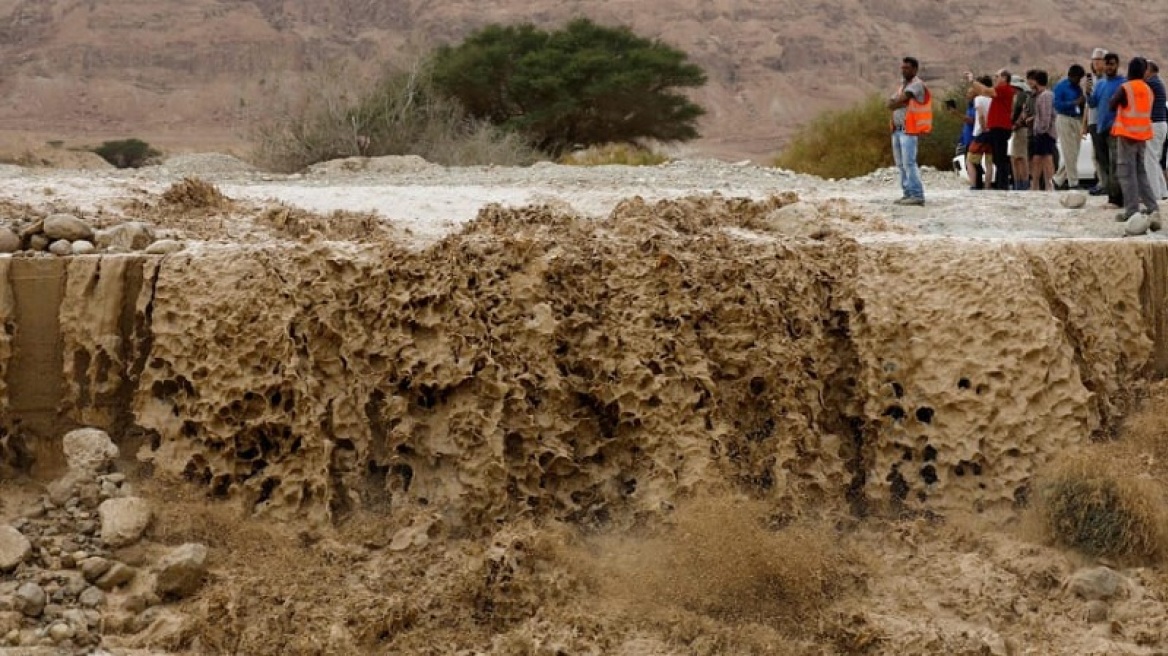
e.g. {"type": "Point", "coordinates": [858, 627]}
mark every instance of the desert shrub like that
{"type": "Point", "coordinates": [337, 114]}
{"type": "Point", "coordinates": [127, 153]}
{"type": "Point", "coordinates": [614, 153]}
{"type": "Point", "coordinates": [1087, 504]}
{"type": "Point", "coordinates": [856, 141]}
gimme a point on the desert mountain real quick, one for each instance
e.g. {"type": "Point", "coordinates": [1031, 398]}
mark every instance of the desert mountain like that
{"type": "Point", "coordinates": [188, 74]}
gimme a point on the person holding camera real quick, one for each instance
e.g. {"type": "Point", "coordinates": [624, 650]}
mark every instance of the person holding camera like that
{"type": "Point", "coordinates": [1000, 121]}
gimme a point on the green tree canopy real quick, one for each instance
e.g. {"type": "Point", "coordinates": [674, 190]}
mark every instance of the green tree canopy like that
{"type": "Point", "coordinates": [584, 84]}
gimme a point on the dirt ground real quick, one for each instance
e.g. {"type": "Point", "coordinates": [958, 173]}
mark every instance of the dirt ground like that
{"type": "Point", "coordinates": [698, 408]}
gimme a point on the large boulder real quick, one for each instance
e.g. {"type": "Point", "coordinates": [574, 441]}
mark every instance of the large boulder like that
{"type": "Point", "coordinates": [67, 227]}
{"type": "Point", "coordinates": [9, 241]}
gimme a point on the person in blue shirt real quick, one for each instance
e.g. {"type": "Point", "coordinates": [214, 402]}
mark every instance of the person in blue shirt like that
{"type": "Point", "coordinates": [1100, 101]}
{"type": "Point", "coordinates": [1069, 100]}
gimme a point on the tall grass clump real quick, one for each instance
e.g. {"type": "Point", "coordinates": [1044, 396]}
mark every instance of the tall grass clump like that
{"type": "Point", "coordinates": [1094, 506]}
{"type": "Point", "coordinates": [336, 114]}
{"type": "Point", "coordinates": [856, 141]}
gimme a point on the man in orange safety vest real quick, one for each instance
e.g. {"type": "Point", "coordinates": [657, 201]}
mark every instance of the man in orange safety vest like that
{"type": "Point", "coordinates": [1132, 131]}
{"type": "Point", "coordinates": [912, 117]}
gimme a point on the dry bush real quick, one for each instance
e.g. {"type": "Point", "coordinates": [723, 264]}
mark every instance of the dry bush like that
{"type": "Point", "coordinates": [194, 193]}
{"type": "Point", "coordinates": [722, 560]}
{"type": "Point", "coordinates": [1093, 504]}
{"type": "Point", "coordinates": [341, 113]}
{"type": "Point", "coordinates": [614, 153]}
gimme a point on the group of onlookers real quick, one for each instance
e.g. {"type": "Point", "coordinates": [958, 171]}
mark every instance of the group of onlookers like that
{"type": "Point", "coordinates": [1015, 125]}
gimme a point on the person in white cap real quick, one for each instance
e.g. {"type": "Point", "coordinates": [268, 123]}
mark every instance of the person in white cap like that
{"type": "Point", "coordinates": [1099, 154]}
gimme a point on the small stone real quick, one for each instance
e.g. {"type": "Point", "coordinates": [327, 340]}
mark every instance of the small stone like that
{"type": "Point", "coordinates": [1073, 200]}
{"type": "Point", "coordinates": [91, 597]}
{"type": "Point", "coordinates": [79, 556]}
{"type": "Point", "coordinates": [82, 247]}
{"type": "Point", "coordinates": [30, 599]}
{"type": "Point", "coordinates": [93, 567]}
{"type": "Point", "coordinates": [88, 450]}
{"type": "Point", "coordinates": [67, 227]}
{"type": "Point", "coordinates": [164, 247]}
{"type": "Point", "coordinates": [181, 571]}
{"type": "Point", "coordinates": [14, 548]}
{"type": "Point", "coordinates": [1137, 225]}
{"type": "Point", "coordinates": [9, 240]}
{"type": "Point", "coordinates": [118, 574]}
{"type": "Point", "coordinates": [38, 243]}
{"type": "Point", "coordinates": [1095, 583]}
{"type": "Point", "coordinates": [61, 247]}
{"type": "Point", "coordinates": [124, 520]}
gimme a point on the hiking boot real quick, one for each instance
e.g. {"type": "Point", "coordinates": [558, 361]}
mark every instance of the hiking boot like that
{"type": "Point", "coordinates": [913, 201]}
{"type": "Point", "coordinates": [1097, 191]}
{"type": "Point", "coordinates": [1122, 216]}
{"type": "Point", "coordinates": [1138, 224]}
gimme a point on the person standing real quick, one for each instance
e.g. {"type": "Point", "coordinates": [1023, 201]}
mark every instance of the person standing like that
{"type": "Point", "coordinates": [1069, 100]}
{"type": "Point", "coordinates": [1091, 123]}
{"type": "Point", "coordinates": [999, 121]}
{"type": "Point", "coordinates": [1023, 117]}
{"type": "Point", "coordinates": [1042, 132]}
{"type": "Point", "coordinates": [1159, 131]}
{"type": "Point", "coordinates": [1104, 91]}
{"type": "Point", "coordinates": [1131, 131]}
{"type": "Point", "coordinates": [912, 117]}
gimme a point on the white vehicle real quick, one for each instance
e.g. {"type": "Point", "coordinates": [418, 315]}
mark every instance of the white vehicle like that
{"type": "Point", "coordinates": [1086, 163]}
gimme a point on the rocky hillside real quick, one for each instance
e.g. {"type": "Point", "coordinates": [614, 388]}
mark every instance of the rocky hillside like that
{"type": "Point", "coordinates": [188, 73]}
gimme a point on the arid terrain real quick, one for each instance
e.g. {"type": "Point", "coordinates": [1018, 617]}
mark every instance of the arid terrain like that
{"type": "Point", "coordinates": [194, 75]}
{"type": "Point", "coordinates": [388, 407]}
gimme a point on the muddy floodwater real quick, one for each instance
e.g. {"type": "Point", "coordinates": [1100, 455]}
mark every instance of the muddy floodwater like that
{"type": "Point", "coordinates": [699, 408]}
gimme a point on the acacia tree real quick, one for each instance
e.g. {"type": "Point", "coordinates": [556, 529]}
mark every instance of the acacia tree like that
{"type": "Point", "coordinates": [584, 84]}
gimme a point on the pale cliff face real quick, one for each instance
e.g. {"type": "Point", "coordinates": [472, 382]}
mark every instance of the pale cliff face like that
{"type": "Point", "coordinates": [180, 70]}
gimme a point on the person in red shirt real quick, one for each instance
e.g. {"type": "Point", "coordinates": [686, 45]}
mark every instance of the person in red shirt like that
{"type": "Point", "coordinates": [1000, 122]}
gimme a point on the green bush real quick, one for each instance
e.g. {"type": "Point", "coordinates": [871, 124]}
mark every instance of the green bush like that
{"type": "Point", "coordinates": [337, 114]}
{"type": "Point", "coordinates": [856, 141]}
{"type": "Point", "coordinates": [582, 85]}
{"type": "Point", "coordinates": [127, 153]}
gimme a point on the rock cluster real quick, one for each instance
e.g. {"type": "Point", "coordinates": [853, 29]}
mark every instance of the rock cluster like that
{"type": "Point", "coordinates": [64, 234]}
{"type": "Point", "coordinates": [62, 584]}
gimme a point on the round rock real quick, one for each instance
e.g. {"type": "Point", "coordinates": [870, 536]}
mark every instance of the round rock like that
{"type": "Point", "coordinates": [9, 241]}
{"type": "Point", "coordinates": [1138, 224]}
{"type": "Point", "coordinates": [82, 247]}
{"type": "Point", "coordinates": [88, 449]}
{"type": "Point", "coordinates": [14, 548]}
{"type": "Point", "coordinates": [1095, 583]}
{"type": "Point", "coordinates": [67, 227]}
{"type": "Point", "coordinates": [38, 243]}
{"type": "Point", "coordinates": [164, 247]}
{"type": "Point", "coordinates": [123, 520]}
{"type": "Point", "coordinates": [61, 247]}
{"type": "Point", "coordinates": [30, 599]}
{"type": "Point", "coordinates": [1073, 200]}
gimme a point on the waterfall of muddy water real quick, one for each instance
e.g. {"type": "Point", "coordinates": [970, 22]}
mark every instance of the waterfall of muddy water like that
{"type": "Point", "coordinates": [537, 364]}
